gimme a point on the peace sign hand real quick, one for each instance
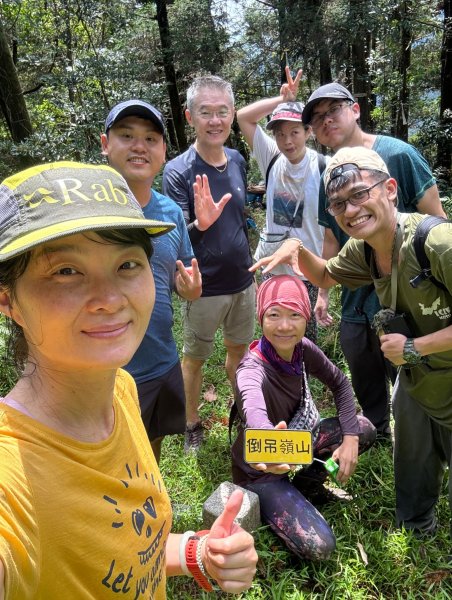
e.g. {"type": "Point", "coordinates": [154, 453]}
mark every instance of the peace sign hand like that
{"type": "Point", "coordinates": [289, 90]}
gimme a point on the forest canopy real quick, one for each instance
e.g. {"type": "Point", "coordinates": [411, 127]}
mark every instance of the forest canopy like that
{"type": "Point", "coordinates": [65, 63]}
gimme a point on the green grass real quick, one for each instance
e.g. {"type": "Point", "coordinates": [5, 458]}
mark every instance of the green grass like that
{"type": "Point", "coordinates": [373, 560]}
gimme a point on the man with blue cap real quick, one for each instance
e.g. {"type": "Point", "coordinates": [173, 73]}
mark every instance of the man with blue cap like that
{"type": "Point", "coordinates": [134, 143]}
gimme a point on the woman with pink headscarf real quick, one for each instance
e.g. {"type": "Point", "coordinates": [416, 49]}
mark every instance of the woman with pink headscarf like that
{"type": "Point", "coordinates": [272, 392]}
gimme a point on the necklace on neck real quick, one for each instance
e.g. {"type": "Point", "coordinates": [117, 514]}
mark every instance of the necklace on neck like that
{"type": "Point", "coordinates": [221, 169]}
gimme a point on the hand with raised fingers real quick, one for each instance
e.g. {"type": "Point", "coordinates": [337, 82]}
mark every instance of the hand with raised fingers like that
{"type": "Point", "coordinates": [188, 280]}
{"type": "Point", "coordinates": [289, 90]}
{"type": "Point", "coordinates": [207, 211]}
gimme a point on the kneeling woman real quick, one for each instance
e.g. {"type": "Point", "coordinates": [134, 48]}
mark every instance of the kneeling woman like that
{"type": "Point", "coordinates": [272, 391]}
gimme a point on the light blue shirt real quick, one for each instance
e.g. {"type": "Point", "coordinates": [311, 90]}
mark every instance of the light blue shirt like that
{"type": "Point", "coordinates": [157, 353]}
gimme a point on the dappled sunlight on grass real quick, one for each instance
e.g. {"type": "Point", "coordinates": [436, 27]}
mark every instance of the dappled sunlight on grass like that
{"type": "Point", "coordinates": [372, 561]}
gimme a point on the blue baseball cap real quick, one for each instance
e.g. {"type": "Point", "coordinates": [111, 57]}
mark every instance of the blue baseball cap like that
{"type": "Point", "coordinates": [135, 108]}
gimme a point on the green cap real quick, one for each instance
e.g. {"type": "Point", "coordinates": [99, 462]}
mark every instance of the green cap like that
{"type": "Point", "coordinates": [54, 200]}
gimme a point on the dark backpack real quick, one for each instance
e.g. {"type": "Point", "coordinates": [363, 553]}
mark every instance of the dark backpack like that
{"type": "Point", "coordinates": [321, 161]}
{"type": "Point", "coordinates": [420, 235]}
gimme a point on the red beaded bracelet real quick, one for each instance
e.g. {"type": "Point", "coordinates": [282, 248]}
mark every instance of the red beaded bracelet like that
{"type": "Point", "coordinates": [194, 562]}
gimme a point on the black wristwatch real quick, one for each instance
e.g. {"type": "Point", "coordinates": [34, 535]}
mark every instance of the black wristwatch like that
{"type": "Point", "coordinates": [410, 355]}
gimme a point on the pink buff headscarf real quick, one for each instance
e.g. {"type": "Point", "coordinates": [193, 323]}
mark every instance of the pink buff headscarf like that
{"type": "Point", "coordinates": [283, 290]}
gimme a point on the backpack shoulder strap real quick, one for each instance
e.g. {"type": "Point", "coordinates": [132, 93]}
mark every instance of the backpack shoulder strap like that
{"type": "Point", "coordinates": [321, 161]}
{"type": "Point", "coordinates": [420, 235]}
{"type": "Point", "coordinates": [367, 253]}
{"type": "Point", "coordinates": [369, 288]}
{"type": "Point", "coordinates": [270, 165]}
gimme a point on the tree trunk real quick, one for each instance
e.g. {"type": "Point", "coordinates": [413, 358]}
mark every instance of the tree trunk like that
{"type": "Point", "coordinates": [12, 102]}
{"type": "Point", "coordinates": [315, 11]}
{"type": "Point", "coordinates": [283, 59]}
{"type": "Point", "coordinates": [403, 103]}
{"type": "Point", "coordinates": [324, 63]}
{"type": "Point", "coordinates": [444, 151]}
{"type": "Point", "coordinates": [360, 54]}
{"type": "Point", "coordinates": [219, 59]}
{"type": "Point", "coordinates": [170, 75]}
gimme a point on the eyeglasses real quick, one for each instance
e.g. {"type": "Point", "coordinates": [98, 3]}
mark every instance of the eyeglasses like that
{"type": "Point", "coordinates": [331, 113]}
{"type": "Point", "coordinates": [223, 113]}
{"type": "Point", "coordinates": [355, 199]}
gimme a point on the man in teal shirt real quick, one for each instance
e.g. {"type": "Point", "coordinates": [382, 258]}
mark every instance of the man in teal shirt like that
{"type": "Point", "coordinates": [333, 115]}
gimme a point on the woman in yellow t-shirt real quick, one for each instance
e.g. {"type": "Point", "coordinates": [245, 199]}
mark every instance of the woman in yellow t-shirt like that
{"type": "Point", "coordinates": [83, 509]}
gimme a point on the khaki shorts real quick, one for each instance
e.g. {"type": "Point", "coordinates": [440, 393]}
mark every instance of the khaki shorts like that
{"type": "Point", "coordinates": [202, 317]}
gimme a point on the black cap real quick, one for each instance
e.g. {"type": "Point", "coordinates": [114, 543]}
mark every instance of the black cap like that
{"type": "Point", "coordinates": [135, 108]}
{"type": "Point", "coordinates": [330, 91]}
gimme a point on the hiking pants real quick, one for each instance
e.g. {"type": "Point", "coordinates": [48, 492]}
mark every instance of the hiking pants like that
{"type": "Point", "coordinates": [422, 451]}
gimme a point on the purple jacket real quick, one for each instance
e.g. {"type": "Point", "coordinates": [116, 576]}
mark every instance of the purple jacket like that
{"type": "Point", "coordinates": [265, 396]}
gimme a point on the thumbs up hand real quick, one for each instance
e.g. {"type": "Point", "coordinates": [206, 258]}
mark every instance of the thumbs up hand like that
{"type": "Point", "coordinates": [228, 554]}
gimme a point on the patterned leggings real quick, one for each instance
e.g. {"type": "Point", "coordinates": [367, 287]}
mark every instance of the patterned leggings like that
{"type": "Point", "coordinates": [288, 513]}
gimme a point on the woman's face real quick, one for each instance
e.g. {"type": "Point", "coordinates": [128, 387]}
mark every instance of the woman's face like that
{"type": "Point", "coordinates": [284, 328]}
{"type": "Point", "coordinates": [291, 138]}
{"type": "Point", "coordinates": [84, 303]}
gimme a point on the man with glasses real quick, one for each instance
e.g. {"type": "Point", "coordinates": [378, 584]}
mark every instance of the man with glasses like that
{"type": "Point", "coordinates": [333, 115]}
{"type": "Point", "coordinates": [362, 194]}
{"type": "Point", "coordinates": [208, 181]}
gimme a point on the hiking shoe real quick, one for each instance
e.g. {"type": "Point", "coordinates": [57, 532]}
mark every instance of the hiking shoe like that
{"type": "Point", "coordinates": [325, 495]}
{"type": "Point", "coordinates": [318, 494]}
{"type": "Point", "coordinates": [194, 437]}
{"type": "Point", "coordinates": [337, 494]}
